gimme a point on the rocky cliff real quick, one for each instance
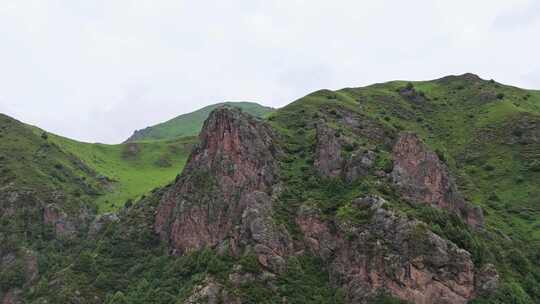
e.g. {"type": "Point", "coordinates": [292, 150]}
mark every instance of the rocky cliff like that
{"type": "Point", "coordinates": [389, 253]}
{"type": "Point", "coordinates": [224, 200]}
{"type": "Point", "coordinates": [224, 195]}
{"type": "Point", "coordinates": [423, 178]}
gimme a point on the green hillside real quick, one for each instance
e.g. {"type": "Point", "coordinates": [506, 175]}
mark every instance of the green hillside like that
{"type": "Point", "coordinates": [29, 160]}
{"type": "Point", "coordinates": [191, 123]}
{"type": "Point", "coordinates": [113, 174]}
{"type": "Point", "coordinates": [131, 169]}
{"type": "Point", "coordinates": [487, 133]}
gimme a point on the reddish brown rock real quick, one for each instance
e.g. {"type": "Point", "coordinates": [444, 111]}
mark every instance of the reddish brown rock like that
{"type": "Point", "coordinates": [330, 160]}
{"type": "Point", "coordinates": [423, 178]}
{"type": "Point", "coordinates": [390, 253]}
{"type": "Point", "coordinates": [54, 216]}
{"type": "Point", "coordinates": [225, 189]}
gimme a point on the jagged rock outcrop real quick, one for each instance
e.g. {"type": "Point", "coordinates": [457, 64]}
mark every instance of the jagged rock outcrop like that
{"type": "Point", "coordinates": [389, 253]}
{"type": "Point", "coordinates": [422, 177]}
{"type": "Point", "coordinates": [331, 161]}
{"type": "Point", "coordinates": [223, 196]}
{"type": "Point", "coordinates": [411, 94]}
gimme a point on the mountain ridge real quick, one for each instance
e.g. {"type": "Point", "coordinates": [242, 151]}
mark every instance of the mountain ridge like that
{"type": "Point", "coordinates": [190, 124]}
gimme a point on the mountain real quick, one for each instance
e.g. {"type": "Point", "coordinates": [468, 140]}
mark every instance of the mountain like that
{"type": "Point", "coordinates": [400, 192]}
{"type": "Point", "coordinates": [190, 124]}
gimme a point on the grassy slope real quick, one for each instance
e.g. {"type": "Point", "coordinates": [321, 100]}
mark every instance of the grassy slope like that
{"type": "Point", "coordinates": [28, 161]}
{"type": "Point", "coordinates": [133, 174]}
{"type": "Point", "coordinates": [190, 124]}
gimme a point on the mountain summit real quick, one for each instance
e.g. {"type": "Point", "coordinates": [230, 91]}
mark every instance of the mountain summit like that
{"type": "Point", "coordinates": [191, 123]}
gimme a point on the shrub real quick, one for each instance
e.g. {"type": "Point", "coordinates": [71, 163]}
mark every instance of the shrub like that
{"type": "Point", "coordinates": [500, 96]}
{"type": "Point", "coordinates": [535, 166]}
{"type": "Point", "coordinates": [488, 167]}
{"type": "Point", "coordinates": [250, 263]}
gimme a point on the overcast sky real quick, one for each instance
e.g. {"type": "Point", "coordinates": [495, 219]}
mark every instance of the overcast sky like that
{"type": "Point", "coordinates": [95, 70]}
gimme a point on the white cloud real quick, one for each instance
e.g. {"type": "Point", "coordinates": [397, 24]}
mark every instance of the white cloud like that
{"type": "Point", "coordinates": [97, 70]}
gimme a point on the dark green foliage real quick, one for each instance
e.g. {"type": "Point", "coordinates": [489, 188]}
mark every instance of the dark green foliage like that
{"type": "Point", "coordinates": [454, 229]}
{"type": "Point", "coordinates": [250, 264]}
{"type": "Point", "coordinates": [12, 276]}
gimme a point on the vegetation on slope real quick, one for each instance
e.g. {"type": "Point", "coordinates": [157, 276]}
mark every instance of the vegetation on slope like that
{"type": "Point", "coordinates": [30, 160]}
{"type": "Point", "coordinates": [487, 133]}
{"type": "Point", "coordinates": [190, 124]}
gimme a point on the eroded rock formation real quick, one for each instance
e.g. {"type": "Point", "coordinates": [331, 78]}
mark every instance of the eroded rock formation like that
{"type": "Point", "coordinates": [224, 200]}
{"type": "Point", "coordinates": [389, 253]}
{"type": "Point", "coordinates": [422, 177]}
{"type": "Point", "coordinates": [331, 159]}
{"type": "Point", "coordinates": [224, 192]}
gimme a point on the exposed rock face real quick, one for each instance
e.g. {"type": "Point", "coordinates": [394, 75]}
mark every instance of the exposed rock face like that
{"type": "Point", "coordinates": [224, 192]}
{"type": "Point", "coordinates": [412, 95]}
{"type": "Point", "coordinates": [389, 253]}
{"type": "Point", "coordinates": [329, 158]}
{"type": "Point", "coordinates": [423, 178]}
{"type": "Point", "coordinates": [101, 221]}
{"type": "Point", "coordinates": [211, 292]}
{"type": "Point", "coordinates": [487, 280]}
{"type": "Point", "coordinates": [53, 215]}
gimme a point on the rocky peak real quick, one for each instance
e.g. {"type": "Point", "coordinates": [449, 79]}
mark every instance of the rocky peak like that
{"type": "Point", "coordinates": [423, 178]}
{"type": "Point", "coordinates": [224, 192]}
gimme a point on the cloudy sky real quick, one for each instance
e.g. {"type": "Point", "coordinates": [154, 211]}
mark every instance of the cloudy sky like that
{"type": "Point", "coordinates": [96, 70]}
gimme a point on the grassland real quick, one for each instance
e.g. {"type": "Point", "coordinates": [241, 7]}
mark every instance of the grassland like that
{"type": "Point", "coordinates": [131, 169]}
